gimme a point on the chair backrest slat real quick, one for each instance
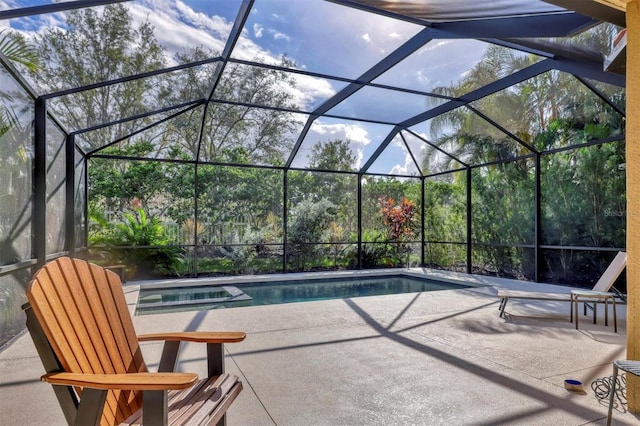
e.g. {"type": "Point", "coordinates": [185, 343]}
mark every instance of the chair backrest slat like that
{"type": "Point", "coordinates": [612, 272]}
{"type": "Point", "coordinates": [83, 312]}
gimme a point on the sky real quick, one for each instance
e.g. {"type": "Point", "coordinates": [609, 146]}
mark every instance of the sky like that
{"type": "Point", "coordinates": [319, 37]}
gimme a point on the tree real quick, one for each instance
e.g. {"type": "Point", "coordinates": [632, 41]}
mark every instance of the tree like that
{"type": "Point", "coordinates": [335, 154]}
{"type": "Point", "coordinates": [237, 135]}
{"type": "Point", "coordinates": [339, 188]}
{"type": "Point", "coordinates": [547, 111]}
{"type": "Point", "coordinates": [445, 222]}
{"type": "Point", "coordinates": [307, 227]}
{"type": "Point", "coordinates": [264, 135]}
{"type": "Point", "coordinates": [525, 109]}
{"type": "Point", "coordinates": [100, 46]}
{"type": "Point", "coordinates": [239, 198]}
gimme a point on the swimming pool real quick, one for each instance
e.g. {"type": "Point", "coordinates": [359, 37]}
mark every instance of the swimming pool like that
{"type": "Point", "coordinates": [199, 297]}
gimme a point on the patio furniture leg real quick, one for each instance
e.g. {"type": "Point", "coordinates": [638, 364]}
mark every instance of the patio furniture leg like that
{"type": "Point", "coordinates": [503, 305]}
{"type": "Point", "coordinates": [571, 301]}
{"type": "Point", "coordinates": [612, 394]}
{"type": "Point", "coordinates": [615, 315]}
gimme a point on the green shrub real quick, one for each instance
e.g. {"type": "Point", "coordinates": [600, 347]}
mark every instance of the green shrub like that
{"type": "Point", "coordinates": [143, 245]}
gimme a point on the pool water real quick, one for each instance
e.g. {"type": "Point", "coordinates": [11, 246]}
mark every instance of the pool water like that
{"type": "Point", "coordinates": [153, 300]}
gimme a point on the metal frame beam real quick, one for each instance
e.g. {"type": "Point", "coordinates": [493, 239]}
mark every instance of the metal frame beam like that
{"type": "Point", "coordinates": [594, 9]}
{"type": "Point", "coordinates": [413, 158]}
{"type": "Point", "coordinates": [537, 225]}
{"type": "Point", "coordinates": [359, 197]}
{"type": "Point", "coordinates": [469, 222]}
{"type": "Point", "coordinates": [549, 24]}
{"type": "Point", "coordinates": [422, 219]}
{"type": "Point", "coordinates": [143, 129]}
{"type": "Point", "coordinates": [70, 179]}
{"type": "Point", "coordinates": [413, 44]}
{"type": "Point", "coordinates": [436, 147]}
{"type": "Point", "coordinates": [601, 95]}
{"type": "Point", "coordinates": [187, 105]}
{"type": "Point", "coordinates": [39, 209]}
{"type": "Point", "coordinates": [55, 7]}
{"type": "Point", "coordinates": [285, 219]}
{"type": "Point", "coordinates": [128, 78]}
{"type": "Point", "coordinates": [502, 129]}
{"type": "Point", "coordinates": [589, 70]}
{"type": "Point", "coordinates": [517, 77]}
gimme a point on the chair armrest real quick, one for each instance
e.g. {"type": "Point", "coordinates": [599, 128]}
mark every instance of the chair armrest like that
{"type": "Point", "coordinates": [129, 381]}
{"type": "Point", "coordinates": [196, 336]}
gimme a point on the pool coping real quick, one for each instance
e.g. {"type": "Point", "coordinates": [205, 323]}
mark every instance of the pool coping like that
{"type": "Point", "coordinates": [294, 276]}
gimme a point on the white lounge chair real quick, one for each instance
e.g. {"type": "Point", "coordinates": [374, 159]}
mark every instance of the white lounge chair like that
{"type": "Point", "coordinates": [604, 284]}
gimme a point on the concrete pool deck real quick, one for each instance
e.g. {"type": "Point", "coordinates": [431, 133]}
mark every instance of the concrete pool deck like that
{"type": "Point", "coordinates": [442, 357]}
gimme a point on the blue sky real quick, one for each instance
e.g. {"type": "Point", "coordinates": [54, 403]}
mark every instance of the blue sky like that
{"type": "Point", "coordinates": [320, 37]}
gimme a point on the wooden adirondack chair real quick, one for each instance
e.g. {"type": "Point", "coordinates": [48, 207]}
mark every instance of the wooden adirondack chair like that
{"type": "Point", "coordinates": [78, 318]}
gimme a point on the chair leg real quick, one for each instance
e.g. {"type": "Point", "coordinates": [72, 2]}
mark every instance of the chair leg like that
{"type": "Point", "coordinates": [571, 302]}
{"type": "Point", "coordinates": [615, 316]}
{"type": "Point", "coordinates": [503, 305]}
{"type": "Point", "coordinates": [612, 395]}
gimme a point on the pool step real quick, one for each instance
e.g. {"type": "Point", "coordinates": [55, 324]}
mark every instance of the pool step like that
{"type": "Point", "coordinates": [155, 301]}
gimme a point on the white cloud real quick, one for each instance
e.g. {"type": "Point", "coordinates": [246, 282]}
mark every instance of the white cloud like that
{"type": "Point", "coordinates": [280, 36]}
{"type": "Point", "coordinates": [322, 37]}
{"type": "Point", "coordinates": [357, 136]}
{"type": "Point", "coordinates": [309, 90]}
{"type": "Point", "coordinates": [178, 27]}
{"type": "Point", "coordinates": [397, 150]}
{"type": "Point", "coordinates": [248, 50]}
{"type": "Point", "coordinates": [434, 45]}
{"type": "Point", "coordinates": [423, 77]}
{"type": "Point", "coordinates": [258, 30]}
{"type": "Point", "coordinates": [408, 168]}
{"type": "Point", "coordinates": [200, 20]}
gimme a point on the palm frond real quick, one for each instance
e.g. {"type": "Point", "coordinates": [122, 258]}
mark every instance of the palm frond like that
{"type": "Point", "coordinates": [14, 47]}
{"type": "Point", "coordinates": [8, 120]}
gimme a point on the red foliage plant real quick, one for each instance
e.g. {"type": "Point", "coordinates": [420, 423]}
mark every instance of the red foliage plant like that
{"type": "Point", "coordinates": [398, 218]}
